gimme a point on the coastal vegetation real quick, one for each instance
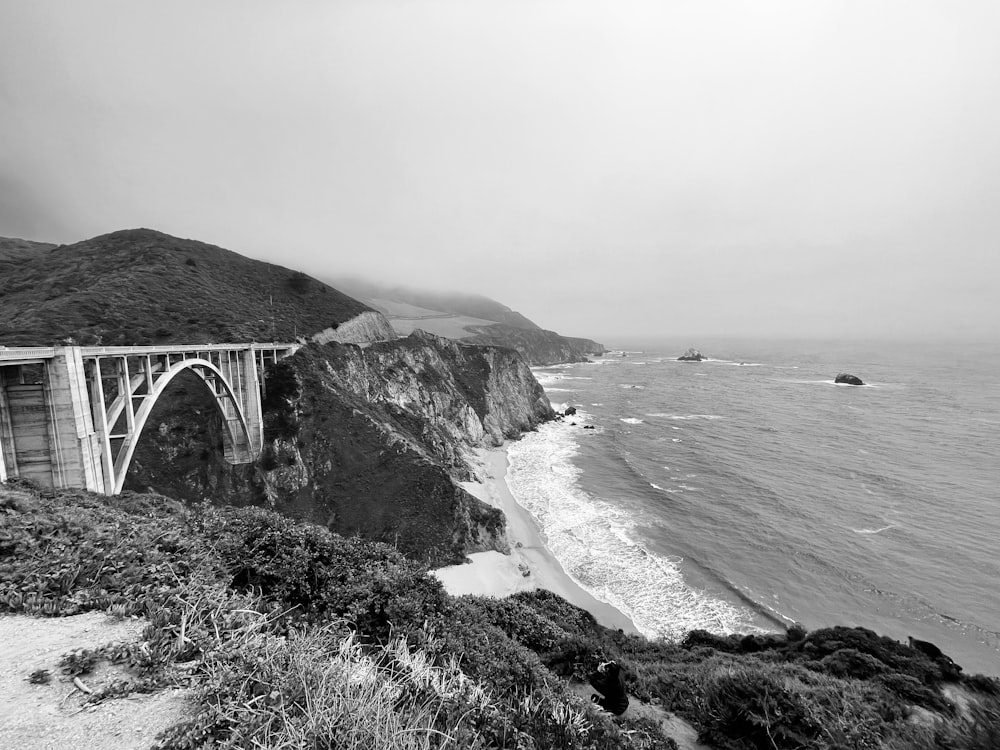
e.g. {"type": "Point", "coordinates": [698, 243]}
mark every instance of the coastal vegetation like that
{"type": "Point", "coordinates": [296, 637]}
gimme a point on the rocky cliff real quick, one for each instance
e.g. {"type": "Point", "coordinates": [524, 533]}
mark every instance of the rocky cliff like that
{"type": "Point", "coordinates": [366, 441]}
{"type": "Point", "coordinates": [539, 347]}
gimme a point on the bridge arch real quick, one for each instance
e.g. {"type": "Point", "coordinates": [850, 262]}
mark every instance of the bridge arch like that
{"type": "Point", "coordinates": [237, 437]}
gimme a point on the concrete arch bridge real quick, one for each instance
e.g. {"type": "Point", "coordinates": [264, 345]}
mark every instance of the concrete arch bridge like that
{"type": "Point", "coordinates": [71, 416]}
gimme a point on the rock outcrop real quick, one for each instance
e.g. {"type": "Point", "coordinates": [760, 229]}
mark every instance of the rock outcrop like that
{"type": "Point", "coordinates": [365, 328]}
{"type": "Point", "coordinates": [691, 355]}
{"type": "Point", "coordinates": [848, 379]}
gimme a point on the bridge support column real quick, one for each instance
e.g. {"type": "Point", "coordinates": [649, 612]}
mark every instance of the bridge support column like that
{"type": "Point", "coordinates": [7, 455]}
{"type": "Point", "coordinates": [252, 408]}
{"type": "Point", "coordinates": [74, 447]}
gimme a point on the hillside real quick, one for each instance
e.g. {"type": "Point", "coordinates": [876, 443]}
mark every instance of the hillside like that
{"type": "Point", "coordinates": [14, 250]}
{"type": "Point", "coordinates": [140, 286]}
{"type": "Point", "coordinates": [455, 303]}
{"type": "Point", "coordinates": [293, 636]}
{"type": "Point", "coordinates": [471, 319]}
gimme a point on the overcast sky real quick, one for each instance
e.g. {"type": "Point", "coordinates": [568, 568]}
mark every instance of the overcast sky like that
{"type": "Point", "coordinates": [799, 168]}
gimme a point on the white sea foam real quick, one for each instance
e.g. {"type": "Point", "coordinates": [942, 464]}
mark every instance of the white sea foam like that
{"type": "Point", "coordinates": [550, 389]}
{"type": "Point", "coordinates": [685, 417]}
{"type": "Point", "coordinates": [630, 420]}
{"type": "Point", "coordinates": [595, 543]}
{"type": "Point", "coordinates": [655, 486]}
{"type": "Point", "coordinates": [630, 385]}
{"type": "Point", "coordinates": [874, 531]}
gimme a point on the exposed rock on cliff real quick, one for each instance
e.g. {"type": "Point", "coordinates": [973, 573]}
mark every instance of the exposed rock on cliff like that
{"type": "Point", "coordinates": [367, 440]}
{"type": "Point", "coordinates": [366, 328]}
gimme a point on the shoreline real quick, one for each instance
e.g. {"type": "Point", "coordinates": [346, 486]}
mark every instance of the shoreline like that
{"type": "Point", "coordinates": [498, 575]}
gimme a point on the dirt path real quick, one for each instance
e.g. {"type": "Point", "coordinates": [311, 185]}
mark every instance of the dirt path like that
{"type": "Point", "coordinates": [53, 715]}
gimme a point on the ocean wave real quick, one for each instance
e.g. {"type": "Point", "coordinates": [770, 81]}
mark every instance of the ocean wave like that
{"type": "Point", "coordinates": [630, 420]}
{"type": "Point", "coordinates": [874, 531]}
{"type": "Point", "coordinates": [630, 385]}
{"type": "Point", "coordinates": [595, 543]}
{"type": "Point", "coordinates": [655, 486]}
{"type": "Point", "coordinates": [685, 416]}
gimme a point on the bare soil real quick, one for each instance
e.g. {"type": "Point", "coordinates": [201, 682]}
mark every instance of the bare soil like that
{"type": "Point", "coordinates": [55, 715]}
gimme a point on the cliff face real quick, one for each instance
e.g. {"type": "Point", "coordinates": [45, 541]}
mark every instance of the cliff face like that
{"type": "Point", "coordinates": [366, 441]}
{"type": "Point", "coordinates": [539, 347]}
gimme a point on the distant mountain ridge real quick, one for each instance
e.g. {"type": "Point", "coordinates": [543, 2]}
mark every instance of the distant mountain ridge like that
{"type": "Point", "coordinates": [472, 305]}
{"type": "Point", "coordinates": [140, 286]}
{"type": "Point", "coordinates": [471, 319]}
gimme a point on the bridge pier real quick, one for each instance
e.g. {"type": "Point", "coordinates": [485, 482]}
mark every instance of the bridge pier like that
{"type": "Point", "coordinates": [46, 429]}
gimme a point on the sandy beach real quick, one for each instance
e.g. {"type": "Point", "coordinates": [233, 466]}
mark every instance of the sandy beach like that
{"type": "Point", "coordinates": [495, 574]}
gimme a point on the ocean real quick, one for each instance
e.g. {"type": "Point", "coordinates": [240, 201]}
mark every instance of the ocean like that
{"type": "Point", "coordinates": [747, 492]}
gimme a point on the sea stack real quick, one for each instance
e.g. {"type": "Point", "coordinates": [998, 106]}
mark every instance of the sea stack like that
{"type": "Point", "coordinates": [691, 355]}
{"type": "Point", "coordinates": [848, 379]}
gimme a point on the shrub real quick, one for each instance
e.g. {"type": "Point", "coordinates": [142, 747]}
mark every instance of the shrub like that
{"type": "Point", "coordinates": [747, 706]}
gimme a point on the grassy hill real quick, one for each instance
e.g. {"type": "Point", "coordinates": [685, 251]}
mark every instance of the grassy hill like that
{"type": "Point", "coordinates": [14, 250]}
{"type": "Point", "coordinates": [140, 286]}
{"type": "Point", "coordinates": [453, 303]}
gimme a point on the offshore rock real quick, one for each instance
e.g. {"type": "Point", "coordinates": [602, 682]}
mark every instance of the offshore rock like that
{"type": "Point", "coordinates": [848, 379]}
{"type": "Point", "coordinates": [691, 355]}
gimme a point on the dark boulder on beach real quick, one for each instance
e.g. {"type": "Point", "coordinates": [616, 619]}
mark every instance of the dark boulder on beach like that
{"type": "Point", "coordinates": [570, 411]}
{"type": "Point", "coordinates": [691, 355]}
{"type": "Point", "coordinates": [848, 379]}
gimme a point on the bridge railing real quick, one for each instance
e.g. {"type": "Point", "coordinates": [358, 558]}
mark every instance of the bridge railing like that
{"type": "Point", "coordinates": [48, 352]}
{"type": "Point", "coordinates": [96, 351]}
{"type": "Point", "coordinates": [27, 352]}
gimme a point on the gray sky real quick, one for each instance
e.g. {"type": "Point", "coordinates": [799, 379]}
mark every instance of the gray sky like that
{"type": "Point", "coordinates": [800, 168]}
